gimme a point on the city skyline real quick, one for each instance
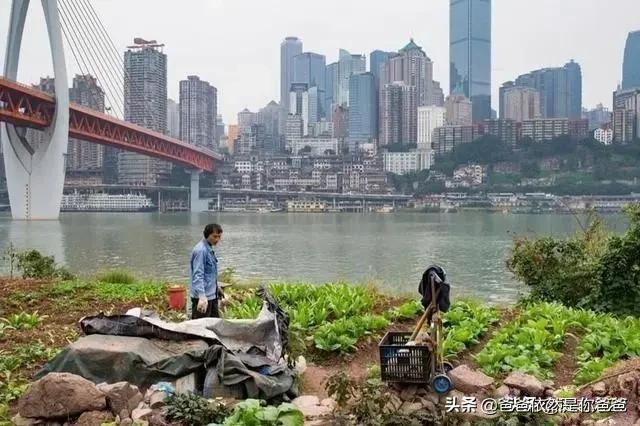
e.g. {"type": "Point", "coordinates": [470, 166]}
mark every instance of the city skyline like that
{"type": "Point", "coordinates": [252, 80]}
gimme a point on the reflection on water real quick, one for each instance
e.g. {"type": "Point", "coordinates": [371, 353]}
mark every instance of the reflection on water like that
{"type": "Point", "coordinates": [392, 249]}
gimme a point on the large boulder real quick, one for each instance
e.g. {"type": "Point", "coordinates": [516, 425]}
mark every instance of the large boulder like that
{"type": "Point", "coordinates": [94, 418]}
{"type": "Point", "coordinates": [525, 383]}
{"type": "Point", "coordinates": [121, 396]}
{"type": "Point", "coordinates": [311, 407]}
{"type": "Point", "coordinates": [470, 381]}
{"type": "Point", "coordinates": [60, 395]}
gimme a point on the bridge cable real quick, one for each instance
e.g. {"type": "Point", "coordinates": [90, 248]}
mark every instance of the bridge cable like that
{"type": "Point", "coordinates": [84, 69]}
{"type": "Point", "coordinates": [116, 67]}
{"type": "Point", "coordinates": [97, 67]}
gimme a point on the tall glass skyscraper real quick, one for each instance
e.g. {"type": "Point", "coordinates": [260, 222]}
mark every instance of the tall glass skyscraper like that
{"type": "Point", "coordinates": [470, 53]}
{"type": "Point", "coordinates": [289, 48]}
{"type": "Point", "coordinates": [309, 68]}
{"type": "Point", "coordinates": [362, 109]}
{"type": "Point", "coordinates": [631, 66]}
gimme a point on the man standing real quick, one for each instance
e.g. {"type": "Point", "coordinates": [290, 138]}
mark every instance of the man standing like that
{"type": "Point", "coordinates": [204, 274]}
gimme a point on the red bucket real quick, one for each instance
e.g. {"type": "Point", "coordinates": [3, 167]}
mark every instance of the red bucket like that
{"type": "Point", "coordinates": [177, 297]}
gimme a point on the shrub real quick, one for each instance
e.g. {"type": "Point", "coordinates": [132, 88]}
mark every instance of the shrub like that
{"type": "Point", "coordinates": [34, 264]}
{"type": "Point", "coordinates": [191, 410]}
{"type": "Point", "coordinates": [593, 269]}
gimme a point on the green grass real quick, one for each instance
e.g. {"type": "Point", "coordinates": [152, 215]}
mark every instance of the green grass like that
{"type": "Point", "coordinates": [117, 276]}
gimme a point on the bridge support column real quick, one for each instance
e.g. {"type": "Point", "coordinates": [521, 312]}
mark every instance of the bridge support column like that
{"type": "Point", "coordinates": [194, 194]}
{"type": "Point", "coordinates": [35, 169]}
{"type": "Point", "coordinates": [219, 204]}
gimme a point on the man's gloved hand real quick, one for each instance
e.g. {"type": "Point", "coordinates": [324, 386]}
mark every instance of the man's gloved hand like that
{"type": "Point", "coordinates": [203, 303]}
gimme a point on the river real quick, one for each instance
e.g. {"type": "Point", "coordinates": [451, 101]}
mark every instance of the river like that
{"type": "Point", "coordinates": [391, 249]}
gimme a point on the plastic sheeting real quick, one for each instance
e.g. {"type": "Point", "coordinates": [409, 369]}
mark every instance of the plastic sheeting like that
{"type": "Point", "coordinates": [137, 360]}
{"type": "Point", "coordinates": [241, 356]}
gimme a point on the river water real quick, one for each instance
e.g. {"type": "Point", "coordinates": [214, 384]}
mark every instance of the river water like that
{"type": "Point", "coordinates": [390, 249]}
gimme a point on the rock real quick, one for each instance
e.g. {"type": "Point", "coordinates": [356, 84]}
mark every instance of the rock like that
{"type": "Point", "coordinates": [502, 391]}
{"type": "Point", "coordinates": [157, 399]}
{"type": "Point", "coordinates": [310, 406]}
{"type": "Point", "coordinates": [408, 393]}
{"type": "Point", "coordinates": [627, 383]}
{"type": "Point", "coordinates": [514, 392]}
{"type": "Point", "coordinates": [329, 402]}
{"type": "Point", "coordinates": [157, 419]}
{"type": "Point", "coordinates": [306, 400]}
{"type": "Point", "coordinates": [18, 420]}
{"type": "Point", "coordinates": [469, 381]}
{"type": "Point", "coordinates": [599, 389]}
{"type": "Point", "coordinates": [410, 407]}
{"type": "Point", "coordinates": [58, 395]}
{"type": "Point", "coordinates": [124, 414]}
{"type": "Point", "coordinates": [433, 397]}
{"type": "Point", "coordinates": [121, 396]}
{"type": "Point", "coordinates": [525, 382]}
{"type": "Point", "coordinates": [422, 391]}
{"type": "Point", "coordinates": [588, 422]}
{"type": "Point", "coordinates": [141, 414]}
{"type": "Point", "coordinates": [94, 418]}
{"type": "Point", "coordinates": [427, 405]}
{"type": "Point", "coordinates": [126, 422]}
{"type": "Point", "coordinates": [549, 392]}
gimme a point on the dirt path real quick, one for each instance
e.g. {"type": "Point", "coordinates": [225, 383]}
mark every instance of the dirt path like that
{"type": "Point", "coordinates": [567, 365]}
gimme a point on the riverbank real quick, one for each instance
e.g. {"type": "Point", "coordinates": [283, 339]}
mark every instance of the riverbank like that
{"type": "Point", "coordinates": [560, 347]}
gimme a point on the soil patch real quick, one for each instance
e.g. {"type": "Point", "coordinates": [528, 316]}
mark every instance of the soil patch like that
{"type": "Point", "coordinates": [566, 366]}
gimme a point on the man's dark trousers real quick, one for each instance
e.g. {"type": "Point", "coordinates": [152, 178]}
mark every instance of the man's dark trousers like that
{"type": "Point", "coordinates": [211, 312]}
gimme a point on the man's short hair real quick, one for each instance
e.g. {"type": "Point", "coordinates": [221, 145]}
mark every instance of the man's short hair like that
{"type": "Point", "coordinates": [211, 228]}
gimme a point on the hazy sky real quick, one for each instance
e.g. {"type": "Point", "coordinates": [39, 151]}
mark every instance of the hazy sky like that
{"type": "Point", "coordinates": [235, 44]}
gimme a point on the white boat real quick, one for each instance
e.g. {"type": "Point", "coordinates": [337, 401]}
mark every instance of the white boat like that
{"type": "Point", "coordinates": [101, 202]}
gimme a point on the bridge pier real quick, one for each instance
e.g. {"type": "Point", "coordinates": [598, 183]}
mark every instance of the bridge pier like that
{"type": "Point", "coordinates": [196, 205]}
{"type": "Point", "coordinates": [219, 204]}
{"type": "Point", "coordinates": [35, 170]}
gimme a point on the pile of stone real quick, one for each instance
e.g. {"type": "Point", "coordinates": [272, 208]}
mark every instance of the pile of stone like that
{"type": "Point", "coordinates": [60, 399]}
{"type": "Point", "coordinates": [625, 384]}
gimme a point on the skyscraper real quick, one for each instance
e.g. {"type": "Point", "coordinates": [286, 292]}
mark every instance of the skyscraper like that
{"type": "Point", "coordinates": [269, 116]}
{"type": "Point", "coordinates": [289, 48]}
{"type": "Point", "coordinates": [429, 118]}
{"type": "Point", "coordinates": [520, 103]}
{"type": "Point", "coordinates": [376, 59]}
{"type": "Point", "coordinates": [331, 89]}
{"type": "Point", "coordinates": [85, 156]}
{"type": "Point", "coordinates": [309, 68]}
{"type": "Point", "coordinates": [198, 112]}
{"type": "Point", "coordinates": [145, 104]}
{"type": "Point", "coordinates": [362, 110]}
{"type": "Point", "coordinates": [173, 119]}
{"type": "Point", "coordinates": [470, 53]}
{"type": "Point", "coordinates": [459, 110]}
{"type": "Point", "coordinates": [560, 90]}
{"type": "Point", "coordinates": [398, 114]}
{"type": "Point", "coordinates": [348, 64]}
{"type": "Point", "coordinates": [412, 66]}
{"type": "Point", "coordinates": [631, 65]}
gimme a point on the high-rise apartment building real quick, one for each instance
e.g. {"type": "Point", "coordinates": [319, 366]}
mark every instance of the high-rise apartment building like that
{"type": "Point", "coordinates": [459, 110]}
{"type": "Point", "coordinates": [560, 90]}
{"type": "Point", "coordinates": [626, 115]}
{"type": "Point", "coordinates": [145, 104]}
{"type": "Point", "coordinates": [412, 66]}
{"type": "Point", "coordinates": [85, 156]}
{"type": "Point", "coordinates": [520, 103]}
{"type": "Point", "coordinates": [470, 53]}
{"type": "Point", "coordinates": [348, 64]}
{"type": "Point", "coordinates": [173, 119]}
{"type": "Point", "coordinates": [219, 130]}
{"type": "Point", "coordinates": [631, 65]}
{"type": "Point", "coordinates": [198, 112]}
{"type": "Point", "coordinates": [269, 116]}
{"type": "Point", "coordinates": [289, 49]}
{"type": "Point", "coordinates": [362, 111]}
{"type": "Point", "coordinates": [598, 116]}
{"type": "Point", "coordinates": [429, 118]}
{"type": "Point", "coordinates": [398, 114]}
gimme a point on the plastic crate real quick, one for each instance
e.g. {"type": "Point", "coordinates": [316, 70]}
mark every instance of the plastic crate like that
{"type": "Point", "coordinates": [403, 364]}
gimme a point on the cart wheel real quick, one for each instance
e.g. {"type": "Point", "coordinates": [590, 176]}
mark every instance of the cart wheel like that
{"type": "Point", "coordinates": [441, 384]}
{"type": "Point", "coordinates": [446, 367]}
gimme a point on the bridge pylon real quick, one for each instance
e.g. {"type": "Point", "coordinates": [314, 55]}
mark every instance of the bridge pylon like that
{"type": "Point", "coordinates": [35, 170]}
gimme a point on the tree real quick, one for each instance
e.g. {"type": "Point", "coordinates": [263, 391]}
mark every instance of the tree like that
{"type": "Point", "coordinates": [530, 169]}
